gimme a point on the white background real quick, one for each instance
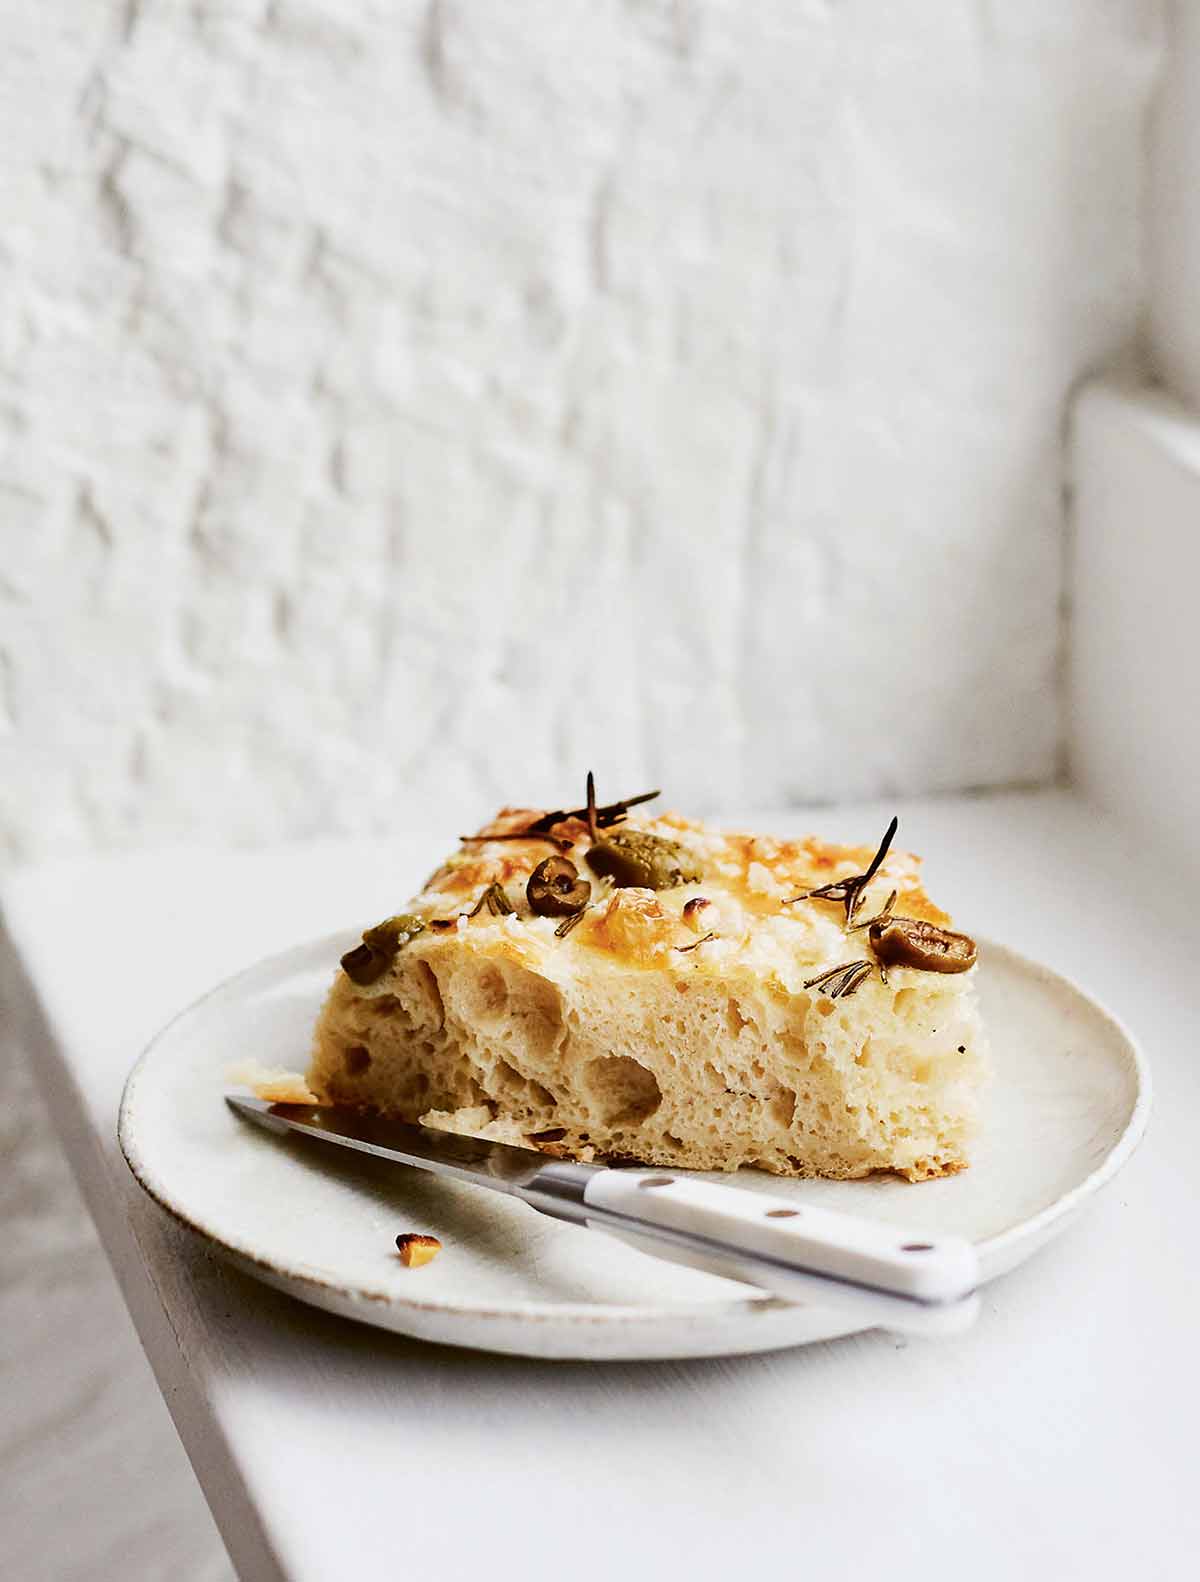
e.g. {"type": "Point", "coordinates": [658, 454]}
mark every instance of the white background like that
{"type": "Point", "coordinates": [414, 404]}
{"type": "Point", "coordinates": [426, 401]}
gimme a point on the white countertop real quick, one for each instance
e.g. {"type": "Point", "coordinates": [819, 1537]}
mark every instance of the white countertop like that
{"type": "Point", "coordinates": [1057, 1437]}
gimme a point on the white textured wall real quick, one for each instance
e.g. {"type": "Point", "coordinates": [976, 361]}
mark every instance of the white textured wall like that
{"type": "Point", "coordinates": [410, 400]}
{"type": "Point", "coordinates": [1173, 211]}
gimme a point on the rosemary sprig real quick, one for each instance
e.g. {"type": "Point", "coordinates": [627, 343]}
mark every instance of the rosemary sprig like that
{"type": "Point", "coordinates": [611, 813]}
{"type": "Point", "coordinates": [884, 912]}
{"type": "Point", "coordinates": [841, 981]}
{"type": "Point", "coordinates": [493, 897]}
{"type": "Point", "coordinates": [568, 923]}
{"type": "Point", "coordinates": [695, 944]}
{"type": "Point", "coordinates": [558, 841]}
{"type": "Point", "coordinates": [850, 891]}
{"type": "Point", "coordinates": [496, 902]}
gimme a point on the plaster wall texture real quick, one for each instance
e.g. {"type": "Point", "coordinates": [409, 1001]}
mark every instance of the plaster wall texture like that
{"type": "Point", "coordinates": [420, 404]}
{"type": "Point", "coordinates": [426, 402]}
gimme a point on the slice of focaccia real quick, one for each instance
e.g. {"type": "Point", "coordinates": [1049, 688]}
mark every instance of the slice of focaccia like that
{"type": "Point", "coordinates": [606, 985]}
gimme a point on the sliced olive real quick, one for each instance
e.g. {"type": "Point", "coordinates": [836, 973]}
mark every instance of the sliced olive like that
{"type": "Point", "coordinates": [362, 965]}
{"type": "Point", "coordinates": [368, 962]}
{"type": "Point", "coordinates": [555, 888]}
{"type": "Point", "coordinates": [396, 931]}
{"type": "Point", "coordinates": [912, 942]}
{"type": "Point", "coordinates": [632, 857]}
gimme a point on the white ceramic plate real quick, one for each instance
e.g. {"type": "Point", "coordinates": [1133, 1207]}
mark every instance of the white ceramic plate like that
{"type": "Point", "coordinates": [1067, 1107]}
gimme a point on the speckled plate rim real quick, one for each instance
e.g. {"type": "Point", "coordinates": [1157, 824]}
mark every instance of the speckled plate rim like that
{"type": "Point", "coordinates": [998, 1253]}
{"type": "Point", "coordinates": [995, 1251]}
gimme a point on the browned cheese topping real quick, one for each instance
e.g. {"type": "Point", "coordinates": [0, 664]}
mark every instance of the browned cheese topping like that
{"type": "Point", "coordinates": [415, 1249]}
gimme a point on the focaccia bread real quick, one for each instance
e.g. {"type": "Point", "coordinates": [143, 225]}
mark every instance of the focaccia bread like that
{"type": "Point", "coordinates": [649, 989]}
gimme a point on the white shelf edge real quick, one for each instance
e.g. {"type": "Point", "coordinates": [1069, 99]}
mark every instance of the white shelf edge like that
{"type": "Point", "coordinates": [1173, 210]}
{"type": "Point", "coordinates": [1133, 674]}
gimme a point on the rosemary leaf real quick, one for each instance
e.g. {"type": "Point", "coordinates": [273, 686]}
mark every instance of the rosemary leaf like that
{"type": "Point", "coordinates": [610, 813]}
{"type": "Point", "coordinates": [498, 903]}
{"type": "Point", "coordinates": [591, 805]}
{"type": "Point", "coordinates": [884, 848]}
{"type": "Point", "coordinates": [823, 977]}
{"type": "Point", "coordinates": [840, 981]}
{"type": "Point", "coordinates": [885, 911]}
{"type": "Point", "coordinates": [855, 979]}
{"type": "Point", "coordinates": [519, 834]}
{"type": "Point", "coordinates": [837, 891]}
{"type": "Point", "coordinates": [695, 945]}
{"type": "Point", "coordinates": [849, 891]}
{"type": "Point", "coordinates": [568, 923]}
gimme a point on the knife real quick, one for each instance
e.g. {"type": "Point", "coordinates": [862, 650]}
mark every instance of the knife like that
{"type": "Point", "coordinates": [909, 1281]}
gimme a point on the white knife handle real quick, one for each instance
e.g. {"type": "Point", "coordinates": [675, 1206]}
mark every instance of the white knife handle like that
{"type": "Point", "coordinates": [795, 1250]}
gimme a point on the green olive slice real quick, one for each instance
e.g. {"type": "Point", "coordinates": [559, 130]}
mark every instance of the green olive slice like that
{"type": "Point", "coordinates": [912, 942]}
{"type": "Point", "coordinates": [635, 858]}
{"type": "Point", "coordinates": [363, 966]}
{"type": "Point", "coordinates": [368, 962]}
{"type": "Point", "coordinates": [555, 888]}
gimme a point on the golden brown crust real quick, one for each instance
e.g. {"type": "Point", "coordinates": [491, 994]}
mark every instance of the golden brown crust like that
{"type": "Point", "coordinates": [761, 873]}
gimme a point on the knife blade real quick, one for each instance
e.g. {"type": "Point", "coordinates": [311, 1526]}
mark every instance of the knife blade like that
{"type": "Point", "coordinates": [905, 1280]}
